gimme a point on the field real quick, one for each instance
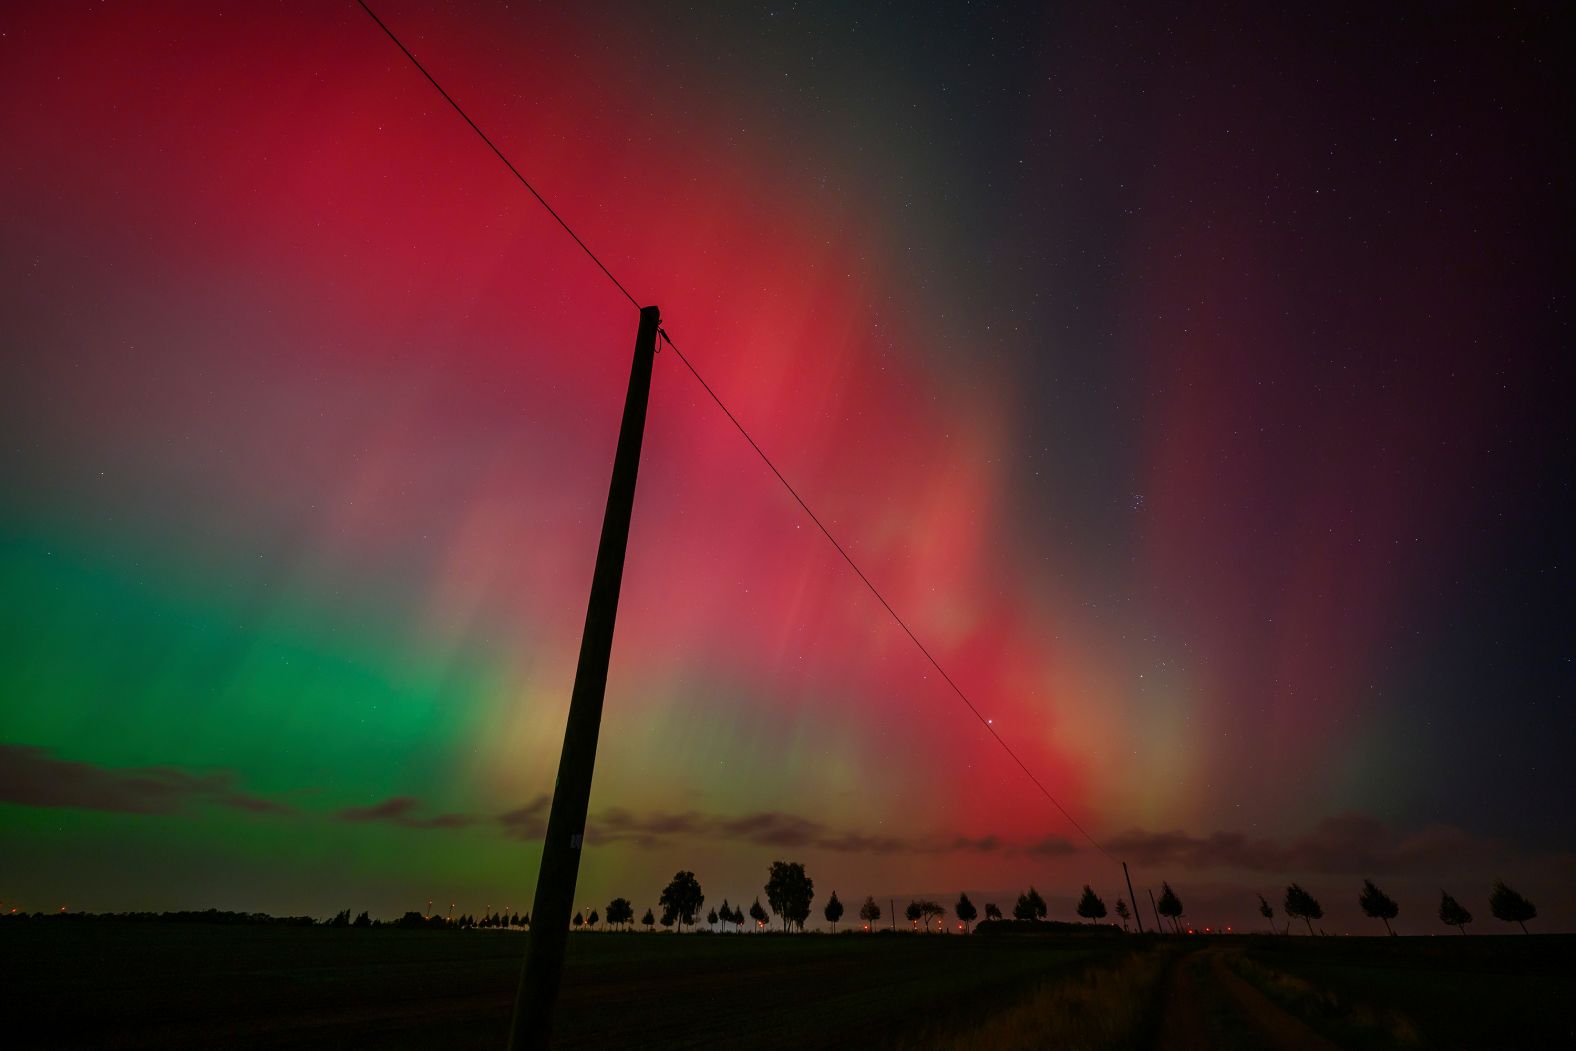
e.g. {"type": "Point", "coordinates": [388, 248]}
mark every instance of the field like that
{"type": "Point", "coordinates": [155, 985]}
{"type": "Point", "coordinates": [1472, 992]}
{"type": "Point", "coordinates": [109, 984]}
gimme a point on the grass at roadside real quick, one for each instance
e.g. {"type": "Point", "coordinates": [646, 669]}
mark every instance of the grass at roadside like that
{"type": "Point", "coordinates": [1107, 1005]}
{"type": "Point", "coordinates": [1475, 992]}
{"type": "Point", "coordinates": [1351, 1023]}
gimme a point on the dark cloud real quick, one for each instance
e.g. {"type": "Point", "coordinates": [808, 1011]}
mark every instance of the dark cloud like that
{"type": "Point", "coordinates": [529, 821]}
{"type": "Point", "coordinates": [1344, 844]}
{"type": "Point", "coordinates": [256, 804]}
{"type": "Point", "coordinates": [401, 810]}
{"type": "Point", "coordinates": [857, 843]}
{"type": "Point", "coordinates": [1050, 847]}
{"type": "Point", "coordinates": [441, 821]}
{"type": "Point", "coordinates": [772, 829]}
{"type": "Point", "coordinates": [769, 828]}
{"type": "Point", "coordinates": [33, 777]}
{"type": "Point", "coordinates": [656, 828]}
{"type": "Point", "coordinates": [1347, 843]}
{"type": "Point", "coordinates": [389, 810]}
{"type": "Point", "coordinates": [983, 845]}
{"type": "Point", "coordinates": [617, 825]}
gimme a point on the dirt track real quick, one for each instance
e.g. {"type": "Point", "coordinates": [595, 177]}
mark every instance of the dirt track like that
{"type": "Point", "coordinates": [1206, 1006]}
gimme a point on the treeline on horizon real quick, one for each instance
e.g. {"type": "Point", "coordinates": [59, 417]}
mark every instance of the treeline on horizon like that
{"type": "Point", "coordinates": [218, 916]}
{"type": "Point", "coordinates": [789, 892]}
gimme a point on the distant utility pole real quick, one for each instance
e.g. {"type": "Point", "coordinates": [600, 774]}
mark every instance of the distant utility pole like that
{"type": "Point", "coordinates": [566, 822]}
{"type": "Point", "coordinates": [1137, 912]}
{"type": "Point", "coordinates": [892, 913]}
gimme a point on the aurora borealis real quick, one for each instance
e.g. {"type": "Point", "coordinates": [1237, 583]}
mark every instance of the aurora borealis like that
{"type": "Point", "coordinates": [1196, 385]}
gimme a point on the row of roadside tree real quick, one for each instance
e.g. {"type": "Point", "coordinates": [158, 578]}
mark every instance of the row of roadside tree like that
{"type": "Point", "coordinates": [789, 892]}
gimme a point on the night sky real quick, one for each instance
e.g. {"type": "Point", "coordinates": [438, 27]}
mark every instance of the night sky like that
{"type": "Point", "coordinates": [1195, 381]}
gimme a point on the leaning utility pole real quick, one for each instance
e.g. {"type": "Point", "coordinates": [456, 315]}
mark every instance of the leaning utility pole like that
{"type": "Point", "coordinates": [566, 822]}
{"type": "Point", "coordinates": [1137, 912]}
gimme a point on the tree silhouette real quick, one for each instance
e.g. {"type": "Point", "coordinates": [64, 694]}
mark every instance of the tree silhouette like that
{"type": "Point", "coordinates": [931, 911]}
{"type": "Point", "coordinates": [758, 914]}
{"type": "Point", "coordinates": [683, 898]}
{"type": "Point", "coordinates": [593, 919]}
{"type": "Point", "coordinates": [1376, 904]}
{"type": "Point", "coordinates": [914, 911]}
{"type": "Point", "coordinates": [738, 917]}
{"type": "Point", "coordinates": [789, 892]}
{"type": "Point", "coordinates": [579, 921]}
{"type": "Point", "coordinates": [991, 911]}
{"type": "Point", "coordinates": [1030, 906]}
{"type": "Point", "coordinates": [1509, 906]}
{"type": "Point", "coordinates": [834, 910]}
{"type": "Point", "coordinates": [362, 920]}
{"type": "Point", "coordinates": [668, 916]}
{"type": "Point", "coordinates": [1267, 911]}
{"type": "Point", "coordinates": [619, 910]}
{"type": "Point", "coordinates": [870, 912]}
{"type": "Point", "coordinates": [1452, 914]}
{"type": "Point", "coordinates": [1301, 905]}
{"type": "Point", "coordinates": [727, 913]}
{"type": "Point", "coordinates": [1122, 912]}
{"type": "Point", "coordinates": [1170, 906]}
{"type": "Point", "coordinates": [1090, 907]}
{"type": "Point", "coordinates": [341, 919]}
{"type": "Point", "coordinates": [711, 918]}
{"type": "Point", "coordinates": [966, 911]}
{"type": "Point", "coordinates": [649, 920]}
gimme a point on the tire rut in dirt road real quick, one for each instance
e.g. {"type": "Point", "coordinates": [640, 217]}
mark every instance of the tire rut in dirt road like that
{"type": "Point", "coordinates": [1183, 1026]}
{"type": "Point", "coordinates": [1205, 1005]}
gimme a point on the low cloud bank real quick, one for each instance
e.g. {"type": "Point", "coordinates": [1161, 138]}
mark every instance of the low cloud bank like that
{"type": "Point", "coordinates": [1343, 844]}
{"type": "Point", "coordinates": [31, 776]}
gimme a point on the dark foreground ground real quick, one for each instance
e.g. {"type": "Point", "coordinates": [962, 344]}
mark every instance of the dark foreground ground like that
{"type": "Point", "coordinates": [1372, 993]}
{"type": "Point", "coordinates": [106, 984]}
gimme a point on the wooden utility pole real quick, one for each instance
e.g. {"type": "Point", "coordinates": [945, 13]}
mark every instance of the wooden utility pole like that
{"type": "Point", "coordinates": [566, 822]}
{"type": "Point", "coordinates": [1158, 928]}
{"type": "Point", "coordinates": [1136, 911]}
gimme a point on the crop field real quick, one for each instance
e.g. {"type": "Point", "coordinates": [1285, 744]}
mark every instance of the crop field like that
{"type": "Point", "coordinates": [143, 985]}
{"type": "Point", "coordinates": [1468, 992]}
{"type": "Point", "coordinates": [155, 985]}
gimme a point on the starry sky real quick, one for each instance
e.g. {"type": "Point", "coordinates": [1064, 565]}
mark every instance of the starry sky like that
{"type": "Point", "coordinates": [1195, 380]}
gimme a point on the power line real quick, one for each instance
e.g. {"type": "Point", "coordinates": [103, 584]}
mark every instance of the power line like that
{"type": "Point", "coordinates": [841, 550]}
{"type": "Point", "coordinates": [506, 162]}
